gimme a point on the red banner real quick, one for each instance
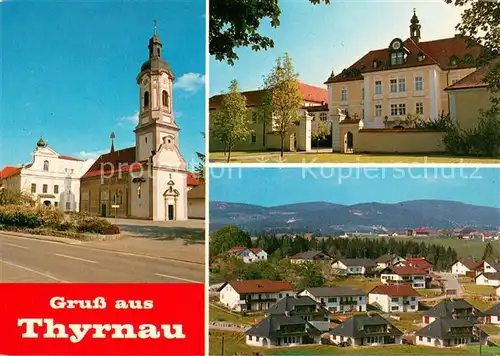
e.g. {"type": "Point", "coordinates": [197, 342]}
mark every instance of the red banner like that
{"type": "Point", "coordinates": [102, 319]}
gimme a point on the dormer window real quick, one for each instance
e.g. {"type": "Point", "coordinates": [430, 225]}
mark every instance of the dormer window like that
{"type": "Point", "coordinates": [454, 60]}
{"type": "Point", "coordinates": [375, 64]}
{"type": "Point", "coordinates": [468, 59]}
{"type": "Point", "coordinates": [397, 58]}
{"type": "Point", "coordinates": [420, 57]}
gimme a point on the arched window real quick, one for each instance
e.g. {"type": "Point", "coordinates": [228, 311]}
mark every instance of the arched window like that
{"type": "Point", "coordinates": [158, 51]}
{"type": "Point", "coordinates": [46, 166]}
{"type": "Point", "coordinates": [146, 99]}
{"type": "Point", "coordinates": [164, 98]}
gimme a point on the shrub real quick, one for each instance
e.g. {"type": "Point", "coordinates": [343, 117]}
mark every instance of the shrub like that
{"type": "Point", "coordinates": [14, 197]}
{"type": "Point", "coordinates": [96, 225]}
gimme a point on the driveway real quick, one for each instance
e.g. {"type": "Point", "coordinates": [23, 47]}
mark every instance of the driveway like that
{"type": "Point", "coordinates": [450, 281]}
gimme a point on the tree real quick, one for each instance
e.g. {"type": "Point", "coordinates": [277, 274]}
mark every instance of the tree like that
{"type": "Point", "coordinates": [320, 134]}
{"type": "Point", "coordinates": [230, 124]}
{"type": "Point", "coordinates": [282, 98]}
{"type": "Point", "coordinates": [227, 237]}
{"type": "Point", "coordinates": [15, 197]}
{"type": "Point", "coordinates": [200, 167]}
{"type": "Point", "coordinates": [235, 24]}
{"type": "Point", "coordinates": [480, 24]}
{"type": "Point", "coordinates": [488, 251]}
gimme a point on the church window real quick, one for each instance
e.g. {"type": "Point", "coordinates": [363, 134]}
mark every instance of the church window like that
{"type": "Point", "coordinates": [164, 97]}
{"type": "Point", "coordinates": [146, 99]}
{"type": "Point", "coordinates": [46, 166]}
{"type": "Point", "coordinates": [322, 116]}
{"type": "Point", "coordinates": [68, 205]}
{"type": "Point", "coordinates": [33, 188]}
{"type": "Point", "coordinates": [254, 137]}
{"type": "Point", "coordinates": [56, 189]}
{"type": "Point", "coordinates": [158, 51]}
{"type": "Point", "coordinates": [45, 188]}
{"type": "Point", "coordinates": [343, 95]}
{"type": "Point", "coordinates": [146, 139]}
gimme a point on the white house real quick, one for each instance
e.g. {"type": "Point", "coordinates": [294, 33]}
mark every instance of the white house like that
{"type": "Point", "coordinates": [310, 256]}
{"type": "Point", "coordinates": [448, 308]}
{"type": "Point", "coordinates": [493, 314]}
{"type": "Point", "coordinates": [51, 178]}
{"type": "Point", "coordinates": [249, 255]}
{"type": "Point", "coordinates": [488, 279]}
{"type": "Point", "coordinates": [491, 266]}
{"type": "Point", "coordinates": [394, 298]}
{"type": "Point", "coordinates": [450, 332]}
{"type": "Point", "coordinates": [388, 260]}
{"type": "Point", "coordinates": [338, 299]}
{"type": "Point", "coordinates": [355, 266]}
{"type": "Point", "coordinates": [466, 266]}
{"type": "Point", "coordinates": [413, 276]}
{"type": "Point", "coordinates": [253, 295]}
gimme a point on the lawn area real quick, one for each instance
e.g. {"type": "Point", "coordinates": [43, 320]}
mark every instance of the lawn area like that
{"type": "Point", "coordinates": [328, 157]}
{"type": "Point", "coordinates": [477, 289]}
{"type": "Point", "coordinates": [365, 284]}
{"type": "Point", "coordinates": [408, 322]}
{"type": "Point", "coordinates": [216, 314]}
{"type": "Point", "coordinates": [481, 303]}
{"type": "Point", "coordinates": [491, 329]}
{"type": "Point", "coordinates": [427, 293]}
{"type": "Point", "coordinates": [234, 343]}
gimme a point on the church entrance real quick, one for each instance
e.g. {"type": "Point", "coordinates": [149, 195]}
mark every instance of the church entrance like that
{"type": "Point", "coordinates": [348, 142]}
{"type": "Point", "coordinates": [171, 214]}
{"type": "Point", "coordinates": [171, 198]}
{"type": "Point", "coordinates": [103, 210]}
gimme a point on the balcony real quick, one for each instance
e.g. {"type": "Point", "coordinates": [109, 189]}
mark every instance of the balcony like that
{"type": "Point", "coordinates": [349, 302]}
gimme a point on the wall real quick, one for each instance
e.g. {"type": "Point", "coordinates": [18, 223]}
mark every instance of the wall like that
{"type": "Point", "coordinates": [459, 269]}
{"type": "Point", "coordinates": [229, 297]}
{"type": "Point", "coordinates": [484, 281]}
{"type": "Point", "coordinates": [94, 193]}
{"type": "Point", "coordinates": [196, 208]}
{"type": "Point", "coordinates": [380, 301]}
{"type": "Point", "coordinates": [466, 103]}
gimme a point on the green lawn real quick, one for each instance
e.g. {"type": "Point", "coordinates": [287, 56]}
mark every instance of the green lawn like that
{"type": "Point", "coordinates": [234, 344]}
{"type": "Point", "coordinates": [408, 321]}
{"type": "Point", "coordinates": [217, 314]}
{"type": "Point", "coordinates": [480, 303]}
{"type": "Point", "coordinates": [475, 289]}
{"type": "Point", "coordinates": [428, 292]}
{"type": "Point", "coordinates": [324, 157]}
{"type": "Point", "coordinates": [365, 284]}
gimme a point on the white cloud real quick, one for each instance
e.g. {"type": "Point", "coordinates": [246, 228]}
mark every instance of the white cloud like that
{"type": "Point", "coordinates": [190, 82]}
{"type": "Point", "coordinates": [88, 155]}
{"type": "Point", "coordinates": [129, 119]}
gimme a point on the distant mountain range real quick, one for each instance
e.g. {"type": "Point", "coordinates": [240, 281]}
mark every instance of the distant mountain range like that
{"type": "Point", "coordinates": [329, 218]}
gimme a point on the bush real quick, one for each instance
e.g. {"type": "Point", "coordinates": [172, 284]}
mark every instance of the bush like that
{"type": "Point", "coordinates": [96, 225]}
{"type": "Point", "coordinates": [14, 197]}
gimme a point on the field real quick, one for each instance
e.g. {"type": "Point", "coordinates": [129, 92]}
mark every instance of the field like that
{"type": "Point", "coordinates": [217, 314]}
{"type": "Point", "coordinates": [329, 157]}
{"type": "Point", "coordinates": [478, 289]}
{"type": "Point", "coordinates": [365, 284]}
{"type": "Point", "coordinates": [427, 293]}
{"type": "Point", "coordinates": [408, 322]}
{"type": "Point", "coordinates": [234, 344]}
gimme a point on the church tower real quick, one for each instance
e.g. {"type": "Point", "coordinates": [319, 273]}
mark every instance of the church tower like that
{"type": "Point", "coordinates": [415, 27]}
{"type": "Point", "coordinates": [156, 124]}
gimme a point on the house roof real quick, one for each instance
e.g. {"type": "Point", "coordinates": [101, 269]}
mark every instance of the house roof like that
{"type": "Point", "coordinates": [404, 270]}
{"type": "Point", "coordinates": [68, 158]}
{"type": "Point", "coordinates": [471, 263]}
{"type": "Point", "coordinates": [494, 310]}
{"type": "Point", "coordinates": [442, 328]}
{"type": "Point", "coordinates": [334, 291]}
{"type": "Point", "coordinates": [197, 192]}
{"type": "Point", "coordinates": [270, 326]}
{"type": "Point", "coordinates": [365, 262]}
{"type": "Point", "coordinates": [114, 162]}
{"type": "Point", "coordinates": [491, 276]}
{"type": "Point", "coordinates": [445, 309]}
{"type": "Point", "coordinates": [386, 258]}
{"type": "Point", "coordinates": [239, 249]}
{"type": "Point", "coordinates": [395, 290]}
{"type": "Point", "coordinates": [259, 286]}
{"type": "Point", "coordinates": [437, 52]}
{"type": "Point", "coordinates": [418, 262]}
{"type": "Point", "coordinates": [307, 255]}
{"type": "Point", "coordinates": [475, 79]}
{"type": "Point", "coordinates": [289, 303]}
{"type": "Point", "coordinates": [9, 171]}
{"type": "Point", "coordinates": [493, 263]}
{"type": "Point", "coordinates": [355, 326]}
{"type": "Point", "coordinates": [310, 93]}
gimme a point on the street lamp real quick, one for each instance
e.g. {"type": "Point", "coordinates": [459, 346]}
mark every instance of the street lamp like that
{"type": "Point", "coordinates": [479, 320]}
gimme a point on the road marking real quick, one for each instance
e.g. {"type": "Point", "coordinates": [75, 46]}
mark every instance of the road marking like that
{"type": "Point", "coordinates": [179, 278]}
{"type": "Point", "coordinates": [75, 258]}
{"type": "Point", "coordinates": [19, 246]}
{"type": "Point", "coordinates": [33, 271]}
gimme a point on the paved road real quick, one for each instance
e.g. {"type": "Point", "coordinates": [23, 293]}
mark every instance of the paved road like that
{"type": "Point", "coordinates": [30, 260]}
{"type": "Point", "coordinates": [450, 281]}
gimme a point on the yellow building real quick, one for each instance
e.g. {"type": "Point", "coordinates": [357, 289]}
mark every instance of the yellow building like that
{"type": "Point", "coordinates": [407, 77]}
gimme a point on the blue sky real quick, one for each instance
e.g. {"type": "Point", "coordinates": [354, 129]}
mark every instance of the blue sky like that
{"type": "Point", "coordinates": [275, 186]}
{"type": "Point", "coordinates": [69, 72]}
{"type": "Point", "coordinates": [325, 37]}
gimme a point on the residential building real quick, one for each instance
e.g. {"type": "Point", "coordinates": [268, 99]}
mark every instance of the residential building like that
{"type": "Point", "coordinates": [413, 276]}
{"type": "Point", "coordinates": [491, 266]}
{"type": "Point", "coordinates": [488, 279]}
{"type": "Point", "coordinates": [338, 299]}
{"type": "Point", "coordinates": [310, 256]}
{"type": "Point", "coordinates": [253, 295]}
{"type": "Point", "coordinates": [388, 260]}
{"type": "Point", "coordinates": [355, 266]}
{"type": "Point", "coordinates": [417, 262]}
{"type": "Point", "coordinates": [282, 330]}
{"type": "Point", "coordinates": [406, 77]}
{"type": "Point", "coordinates": [263, 132]}
{"type": "Point", "coordinates": [51, 179]}
{"type": "Point", "coordinates": [448, 308]}
{"type": "Point", "coordinates": [196, 202]}
{"type": "Point", "coordinates": [249, 254]}
{"type": "Point", "coordinates": [451, 332]}
{"type": "Point", "coordinates": [394, 298]}
{"type": "Point", "coordinates": [467, 267]}
{"type": "Point", "coordinates": [304, 307]}
{"type": "Point", "coordinates": [493, 314]}
{"type": "Point", "coordinates": [366, 330]}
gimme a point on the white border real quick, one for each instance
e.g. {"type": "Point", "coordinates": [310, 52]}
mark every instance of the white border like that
{"type": "Point", "coordinates": [207, 181]}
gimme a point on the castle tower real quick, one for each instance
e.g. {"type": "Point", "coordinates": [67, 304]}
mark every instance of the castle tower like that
{"type": "Point", "coordinates": [415, 27]}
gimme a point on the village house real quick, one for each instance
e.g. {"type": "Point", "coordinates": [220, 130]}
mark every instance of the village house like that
{"type": "Point", "coordinates": [282, 330]}
{"type": "Point", "coordinates": [355, 266]}
{"type": "Point", "coordinates": [338, 299]}
{"type": "Point", "coordinates": [488, 279]}
{"type": "Point", "coordinates": [310, 256]}
{"type": "Point", "coordinates": [304, 307]}
{"type": "Point", "coordinates": [196, 201]}
{"type": "Point", "coordinates": [491, 266]}
{"type": "Point", "coordinates": [451, 332]}
{"type": "Point", "coordinates": [493, 314]}
{"type": "Point", "coordinates": [417, 262]}
{"type": "Point", "coordinates": [249, 254]}
{"type": "Point", "coordinates": [448, 308]}
{"type": "Point", "coordinates": [253, 295]}
{"type": "Point", "coordinates": [394, 298]}
{"type": "Point", "coordinates": [388, 260]}
{"type": "Point", "coordinates": [413, 276]}
{"type": "Point", "coordinates": [366, 330]}
{"type": "Point", "coordinates": [469, 267]}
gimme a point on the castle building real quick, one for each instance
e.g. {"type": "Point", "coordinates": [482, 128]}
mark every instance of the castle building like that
{"type": "Point", "coordinates": [149, 180]}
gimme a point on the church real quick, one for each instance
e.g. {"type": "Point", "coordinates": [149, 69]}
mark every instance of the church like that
{"type": "Point", "coordinates": [149, 180]}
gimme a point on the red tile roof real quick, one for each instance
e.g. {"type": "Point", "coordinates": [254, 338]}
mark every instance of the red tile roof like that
{"type": "Point", "coordinates": [260, 286]}
{"type": "Point", "coordinates": [114, 162]}
{"type": "Point", "coordinates": [406, 270]}
{"type": "Point", "coordinates": [471, 263]}
{"type": "Point", "coordinates": [69, 158]}
{"type": "Point", "coordinates": [437, 52]}
{"type": "Point", "coordinates": [473, 80]}
{"type": "Point", "coordinates": [254, 97]}
{"type": "Point", "coordinates": [418, 262]}
{"type": "Point", "coordinates": [193, 180]}
{"type": "Point", "coordinates": [395, 290]}
{"type": "Point", "coordinates": [9, 171]}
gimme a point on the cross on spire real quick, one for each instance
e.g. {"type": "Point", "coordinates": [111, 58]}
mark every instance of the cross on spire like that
{"type": "Point", "coordinates": [155, 26]}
